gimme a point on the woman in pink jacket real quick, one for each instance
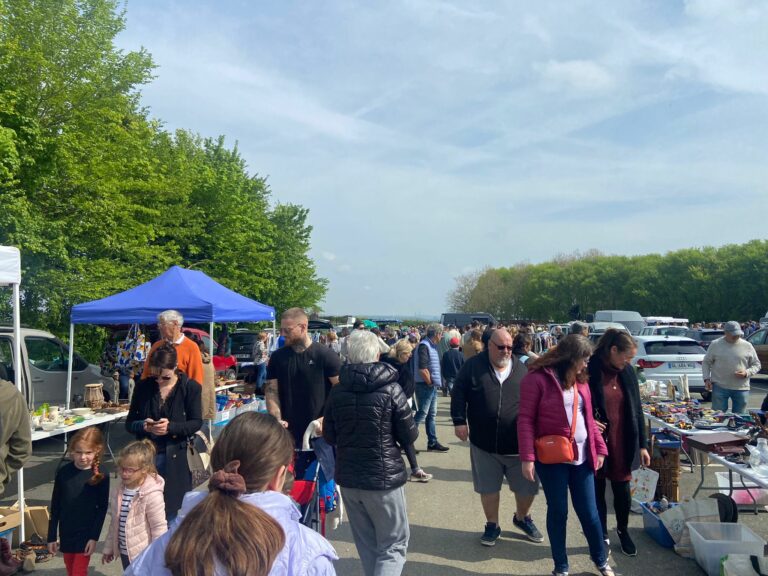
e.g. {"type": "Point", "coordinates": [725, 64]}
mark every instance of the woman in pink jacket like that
{"type": "Point", "coordinates": [137, 507]}
{"type": "Point", "coordinates": [547, 394]}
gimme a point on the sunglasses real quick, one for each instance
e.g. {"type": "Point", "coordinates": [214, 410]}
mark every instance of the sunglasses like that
{"type": "Point", "coordinates": [501, 347]}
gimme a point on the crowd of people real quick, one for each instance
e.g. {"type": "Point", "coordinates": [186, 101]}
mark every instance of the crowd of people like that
{"type": "Point", "coordinates": [567, 420]}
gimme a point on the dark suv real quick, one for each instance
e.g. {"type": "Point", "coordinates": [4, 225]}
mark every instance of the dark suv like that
{"type": "Point", "coordinates": [704, 336]}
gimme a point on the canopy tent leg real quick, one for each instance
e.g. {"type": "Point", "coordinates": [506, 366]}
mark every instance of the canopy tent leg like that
{"type": "Point", "coordinates": [210, 331]}
{"type": "Point", "coordinates": [71, 360]}
{"type": "Point", "coordinates": [18, 374]}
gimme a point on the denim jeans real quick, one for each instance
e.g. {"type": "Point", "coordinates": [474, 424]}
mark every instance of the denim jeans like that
{"type": "Point", "coordinates": [426, 398]}
{"type": "Point", "coordinates": [720, 399]}
{"type": "Point", "coordinates": [261, 375]}
{"type": "Point", "coordinates": [557, 480]}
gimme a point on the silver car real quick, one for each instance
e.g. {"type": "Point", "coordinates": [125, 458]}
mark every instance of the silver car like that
{"type": "Point", "coordinates": [671, 357]}
{"type": "Point", "coordinates": [44, 363]}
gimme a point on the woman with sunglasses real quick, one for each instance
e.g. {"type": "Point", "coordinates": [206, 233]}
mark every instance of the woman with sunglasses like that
{"type": "Point", "coordinates": [166, 409]}
{"type": "Point", "coordinates": [619, 415]}
{"type": "Point", "coordinates": [554, 393]}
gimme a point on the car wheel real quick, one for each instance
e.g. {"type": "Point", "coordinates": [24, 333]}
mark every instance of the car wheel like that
{"type": "Point", "coordinates": [230, 374]}
{"type": "Point", "coordinates": [706, 395]}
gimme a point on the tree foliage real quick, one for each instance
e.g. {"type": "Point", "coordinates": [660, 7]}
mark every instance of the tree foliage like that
{"type": "Point", "coordinates": [705, 284]}
{"type": "Point", "coordinates": [99, 197]}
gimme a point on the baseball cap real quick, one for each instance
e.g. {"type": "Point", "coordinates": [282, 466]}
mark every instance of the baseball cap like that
{"type": "Point", "coordinates": [454, 341]}
{"type": "Point", "coordinates": [733, 327]}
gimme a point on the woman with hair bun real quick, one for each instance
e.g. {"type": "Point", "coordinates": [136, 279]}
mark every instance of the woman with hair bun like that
{"type": "Point", "coordinates": [245, 525]}
{"type": "Point", "coordinates": [166, 409]}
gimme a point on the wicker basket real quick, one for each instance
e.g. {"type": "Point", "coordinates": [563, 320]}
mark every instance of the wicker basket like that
{"type": "Point", "coordinates": [94, 395]}
{"type": "Point", "coordinates": [666, 461]}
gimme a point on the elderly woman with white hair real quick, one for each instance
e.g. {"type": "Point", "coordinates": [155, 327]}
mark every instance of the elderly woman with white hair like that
{"type": "Point", "coordinates": [366, 417]}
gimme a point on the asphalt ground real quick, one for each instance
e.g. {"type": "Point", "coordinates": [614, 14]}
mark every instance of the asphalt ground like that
{"type": "Point", "coordinates": [446, 519]}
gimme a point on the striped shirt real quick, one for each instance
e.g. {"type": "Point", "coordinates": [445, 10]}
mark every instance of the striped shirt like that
{"type": "Point", "coordinates": [125, 507]}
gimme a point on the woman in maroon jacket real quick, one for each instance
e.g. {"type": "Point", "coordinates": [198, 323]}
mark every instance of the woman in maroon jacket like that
{"type": "Point", "coordinates": [554, 382]}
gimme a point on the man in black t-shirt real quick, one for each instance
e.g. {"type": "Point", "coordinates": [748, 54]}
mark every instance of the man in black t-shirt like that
{"type": "Point", "coordinates": [299, 376]}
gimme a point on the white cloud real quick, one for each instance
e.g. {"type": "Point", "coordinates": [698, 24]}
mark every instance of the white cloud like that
{"type": "Point", "coordinates": [582, 75]}
{"type": "Point", "coordinates": [330, 256]}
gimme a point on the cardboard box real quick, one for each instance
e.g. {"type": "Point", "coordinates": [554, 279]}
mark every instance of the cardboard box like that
{"type": "Point", "coordinates": [10, 520]}
{"type": "Point", "coordinates": [35, 521]}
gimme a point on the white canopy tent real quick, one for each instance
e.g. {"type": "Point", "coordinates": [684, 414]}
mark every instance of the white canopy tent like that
{"type": "Point", "coordinates": [10, 275]}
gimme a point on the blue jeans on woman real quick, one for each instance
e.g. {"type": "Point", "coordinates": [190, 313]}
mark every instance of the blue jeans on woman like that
{"type": "Point", "coordinates": [261, 375]}
{"type": "Point", "coordinates": [557, 480]}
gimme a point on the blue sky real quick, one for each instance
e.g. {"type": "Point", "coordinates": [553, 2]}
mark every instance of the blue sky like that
{"type": "Point", "coordinates": [431, 138]}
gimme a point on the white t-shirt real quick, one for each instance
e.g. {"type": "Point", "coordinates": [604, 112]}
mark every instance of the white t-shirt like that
{"type": "Point", "coordinates": [580, 435]}
{"type": "Point", "coordinates": [504, 373]}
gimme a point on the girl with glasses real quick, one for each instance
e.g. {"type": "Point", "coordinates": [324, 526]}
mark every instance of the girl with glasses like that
{"type": "Point", "coordinates": [137, 508]}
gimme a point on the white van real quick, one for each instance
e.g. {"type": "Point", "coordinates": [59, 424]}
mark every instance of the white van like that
{"type": "Point", "coordinates": [44, 363]}
{"type": "Point", "coordinates": [630, 319]}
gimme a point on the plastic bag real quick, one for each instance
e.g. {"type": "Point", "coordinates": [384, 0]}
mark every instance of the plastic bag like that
{"type": "Point", "coordinates": [674, 520]}
{"type": "Point", "coordinates": [744, 565]}
{"type": "Point", "coordinates": [642, 487]}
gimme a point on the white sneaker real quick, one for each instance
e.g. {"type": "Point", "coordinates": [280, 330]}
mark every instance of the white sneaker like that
{"type": "Point", "coordinates": [420, 476]}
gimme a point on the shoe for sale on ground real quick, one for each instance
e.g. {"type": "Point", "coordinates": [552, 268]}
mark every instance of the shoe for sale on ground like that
{"type": "Point", "coordinates": [606, 570]}
{"type": "Point", "coordinates": [420, 476]}
{"type": "Point", "coordinates": [527, 526]}
{"type": "Point", "coordinates": [437, 447]}
{"type": "Point", "coordinates": [627, 546]}
{"type": "Point", "coordinates": [491, 534]}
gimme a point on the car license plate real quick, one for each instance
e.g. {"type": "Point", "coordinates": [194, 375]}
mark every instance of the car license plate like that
{"type": "Point", "coordinates": [242, 355]}
{"type": "Point", "coordinates": [678, 365]}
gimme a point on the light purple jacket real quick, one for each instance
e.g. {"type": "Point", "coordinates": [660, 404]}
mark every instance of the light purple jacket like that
{"type": "Point", "coordinates": [306, 553]}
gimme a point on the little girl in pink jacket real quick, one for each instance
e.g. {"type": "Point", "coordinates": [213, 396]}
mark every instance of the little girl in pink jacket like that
{"type": "Point", "coordinates": [137, 507]}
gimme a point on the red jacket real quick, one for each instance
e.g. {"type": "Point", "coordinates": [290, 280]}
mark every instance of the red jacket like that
{"type": "Point", "coordinates": [542, 412]}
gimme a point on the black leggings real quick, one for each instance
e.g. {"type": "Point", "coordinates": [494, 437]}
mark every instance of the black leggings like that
{"type": "Point", "coordinates": [622, 501]}
{"type": "Point", "coordinates": [410, 453]}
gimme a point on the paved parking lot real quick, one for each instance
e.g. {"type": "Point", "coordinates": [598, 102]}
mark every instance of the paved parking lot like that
{"type": "Point", "coordinates": [446, 520]}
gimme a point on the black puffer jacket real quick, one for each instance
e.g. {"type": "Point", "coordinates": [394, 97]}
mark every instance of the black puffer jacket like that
{"type": "Point", "coordinates": [366, 416]}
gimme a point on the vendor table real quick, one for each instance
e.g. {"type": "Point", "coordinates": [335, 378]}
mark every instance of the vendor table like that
{"type": "Point", "coordinates": [105, 419]}
{"type": "Point", "coordinates": [742, 470]}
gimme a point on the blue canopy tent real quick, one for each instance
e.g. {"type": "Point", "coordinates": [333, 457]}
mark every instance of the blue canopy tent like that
{"type": "Point", "coordinates": [198, 297]}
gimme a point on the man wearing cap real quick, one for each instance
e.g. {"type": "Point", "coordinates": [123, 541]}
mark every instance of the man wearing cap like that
{"type": "Point", "coordinates": [451, 363]}
{"type": "Point", "coordinates": [728, 365]}
{"type": "Point", "coordinates": [484, 408]}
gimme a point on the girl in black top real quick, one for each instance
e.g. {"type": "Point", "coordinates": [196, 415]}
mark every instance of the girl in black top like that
{"type": "Point", "coordinates": [79, 502]}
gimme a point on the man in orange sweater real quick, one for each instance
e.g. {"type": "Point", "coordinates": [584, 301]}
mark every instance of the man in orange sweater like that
{"type": "Point", "coordinates": [190, 361]}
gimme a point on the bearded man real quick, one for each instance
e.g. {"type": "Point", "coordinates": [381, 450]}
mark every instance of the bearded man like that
{"type": "Point", "coordinates": [484, 406]}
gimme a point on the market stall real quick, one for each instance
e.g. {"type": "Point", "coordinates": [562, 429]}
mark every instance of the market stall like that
{"type": "Point", "coordinates": [198, 297]}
